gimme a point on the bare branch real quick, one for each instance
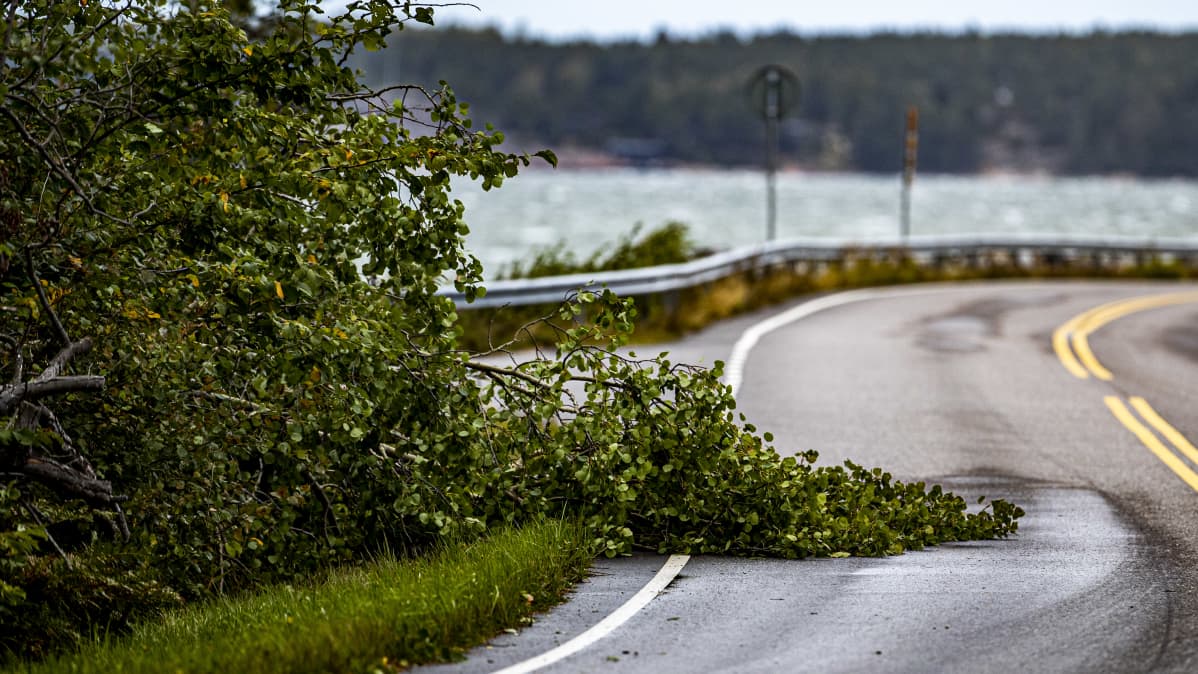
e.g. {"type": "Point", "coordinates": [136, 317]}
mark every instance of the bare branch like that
{"type": "Point", "coordinates": [372, 93]}
{"type": "Point", "coordinates": [255, 408]}
{"type": "Point", "coordinates": [287, 197]}
{"type": "Point", "coordinates": [504, 372]}
{"type": "Point", "coordinates": [39, 519]}
{"type": "Point", "coordinates": [18, 368]}
{"type": "Point", "coordinates": [510, 372]}
{"type": "Point", "coordinates": [71, 484]}
{"type": "Point", "coordinates": [11, 395]}
{"type": "Point", "coordinates": [44, 301]}
{"type": "Point", "coordinates": [60, 169]}
{"type": "Point", "coordinates": [329, 513]}
{"type": "Point", "coordinates": [64, 357]}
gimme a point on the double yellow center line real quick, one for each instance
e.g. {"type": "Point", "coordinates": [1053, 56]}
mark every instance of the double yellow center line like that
{"type": "Point", "coordinates": [1071, 344]}
{"type": "Point", "coordinates": [1151, 441]}
{"type": "Point", "coordinates": [1076, 331]}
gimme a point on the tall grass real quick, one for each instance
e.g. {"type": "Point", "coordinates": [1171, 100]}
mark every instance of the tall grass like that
{"type": "Point", "coordinates": [381, 616]}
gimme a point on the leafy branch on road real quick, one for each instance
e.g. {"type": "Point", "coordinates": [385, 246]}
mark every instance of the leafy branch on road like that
{"type": "Point", "coordinates": [655, 456]}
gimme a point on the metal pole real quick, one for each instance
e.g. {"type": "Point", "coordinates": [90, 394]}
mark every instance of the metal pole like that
{"type": "Point", "coordinates": [773, 110]}
{"type": "Point", "coordinates": [773, 90]}
{"type": "Point", "coordinates": [910, 152]}
{"type": "Point", "coordinates": [771, 180]}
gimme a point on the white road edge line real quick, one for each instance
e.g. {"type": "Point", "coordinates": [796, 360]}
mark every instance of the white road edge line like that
{"type": "Point", "coordinates": [664, 576]}
{"type": "Point", "coordinates": [733, 375]}
{"type": "Point", "coordinates": [734, 369]}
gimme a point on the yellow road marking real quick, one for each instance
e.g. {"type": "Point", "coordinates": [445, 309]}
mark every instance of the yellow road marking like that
{"type": "Point", "coordinates": [1163, 427]}
{"type": "Point", "coordinates": [1150, 440]}
{"type": "Point", "coordinates": [1064, 336]}
{"type": "Point", "coordinates": [1081, 345]}
{"type": "Point", "coordinates": [1060, 344]}
{"type": "Point", "coordinates": [1073, 336]}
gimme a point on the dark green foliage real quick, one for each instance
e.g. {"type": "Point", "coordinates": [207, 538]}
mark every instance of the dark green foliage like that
{"type": "Point", "coordinates": [18, 540]}
{"type": "Point", "coordinates": [206, 395]}
{"type": "Point", "coordinates": [1097, 103]}
{"type": "Point", "coordinates": [186, 215]}
{"type": "Point", "coordinates": [663, 462]}
{"type": "Point", "coordinates": [668, 244]}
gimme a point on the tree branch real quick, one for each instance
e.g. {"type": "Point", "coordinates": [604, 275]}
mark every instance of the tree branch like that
{"type": "Point", "coordinates": [255, 408]}
{"type": "Point", "coordinates": [59, 169]}
{"type": "Point", "coordinates": [40, 521]}
{"type": "Point", "coordinates": [508, 372]}
{"type": "Point", "coordinates": [12, 395]}
{"type": "Point", "coordinates": [18, 367]}
{"type": "Point", "coordinates": [329, 513]}
{"type": "Point", "coordinates": [65, 356]}
{"type": "Point", "coordinates": [44, 301]}
{"type": "Point", "coordinates": [71, 484]}
{"type": "Point", "coordinates": [371, 93]}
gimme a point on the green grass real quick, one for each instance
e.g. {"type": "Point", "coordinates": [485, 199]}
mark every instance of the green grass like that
{"type": "Point", "coordinates": [377, 617]}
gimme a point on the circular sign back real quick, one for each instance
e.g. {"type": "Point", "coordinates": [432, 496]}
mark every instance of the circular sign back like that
{"type": "Point", "coordinates": [774, 91]}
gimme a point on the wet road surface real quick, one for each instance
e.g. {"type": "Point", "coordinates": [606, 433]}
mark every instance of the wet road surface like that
{"type": "Point", "coordinates": [958, 385]}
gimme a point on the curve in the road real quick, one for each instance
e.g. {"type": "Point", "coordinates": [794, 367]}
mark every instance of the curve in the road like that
{"type": "Point", "coordinates": [1102, 567]}
{"type": "Point", "coordinates": [733, 376]}
{"type": "Point", "coordinates": [1073, 336]}
{"type": "Point", "coordinates": [604, 627]}
{"type": "Point", "coordinates": [1071, 343]}
{"type": "Point", "coordinates": [734, 371]}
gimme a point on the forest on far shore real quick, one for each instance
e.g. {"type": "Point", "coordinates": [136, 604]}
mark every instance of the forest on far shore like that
{"type": "Point", "coordinates": [1098, 103]}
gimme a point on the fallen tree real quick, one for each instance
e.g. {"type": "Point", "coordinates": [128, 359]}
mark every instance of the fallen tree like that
{"type": "Point", "coordinates": [227, 364]}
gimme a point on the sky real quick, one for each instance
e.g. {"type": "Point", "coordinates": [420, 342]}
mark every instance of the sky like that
{"type": "Point", "coordinates": [607, 20]}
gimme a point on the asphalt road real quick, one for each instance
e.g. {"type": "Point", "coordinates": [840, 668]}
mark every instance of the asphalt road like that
{"type": "Point", "coordinates": [958, 385]}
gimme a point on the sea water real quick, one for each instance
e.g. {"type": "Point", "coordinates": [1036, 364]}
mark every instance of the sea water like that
{"type": "Point", "coordinates": [591, 208]}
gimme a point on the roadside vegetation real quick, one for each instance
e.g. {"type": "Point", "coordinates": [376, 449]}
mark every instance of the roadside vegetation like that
{"type": "Point", "coordinates": [669, 244]}
{"type": "Point", "coordinates": [666, 316]}
{"type": "Point", "coordinates": [226, 367]}
{"type": "Point", "coordinates": [380, 616]}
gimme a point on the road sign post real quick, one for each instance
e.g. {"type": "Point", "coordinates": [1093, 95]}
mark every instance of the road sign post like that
{"type": "Point", "coordinates": [774, 90]}
{"type": "Point", "coordinates": [910, 153]}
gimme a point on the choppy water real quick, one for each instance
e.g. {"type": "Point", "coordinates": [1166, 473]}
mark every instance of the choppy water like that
{"type": "Point", "coordinates": [725, 209]}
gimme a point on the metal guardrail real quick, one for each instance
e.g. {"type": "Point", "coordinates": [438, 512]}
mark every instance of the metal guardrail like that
{"type": "Point", "coordinates": [665, 278]}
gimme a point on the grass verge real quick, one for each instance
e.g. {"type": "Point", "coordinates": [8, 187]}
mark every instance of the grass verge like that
{"type": "Point", "coordinates": [378, 617]}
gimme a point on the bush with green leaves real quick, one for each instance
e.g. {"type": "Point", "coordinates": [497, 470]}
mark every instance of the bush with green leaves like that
{"type": "Point", "coordinates": [226, 364]}
{"type": "Point", "coordinates": [669, 244]}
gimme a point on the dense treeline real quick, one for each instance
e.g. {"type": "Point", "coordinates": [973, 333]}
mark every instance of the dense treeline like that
{"type": "Point", "coordinates": [1098, 103]}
